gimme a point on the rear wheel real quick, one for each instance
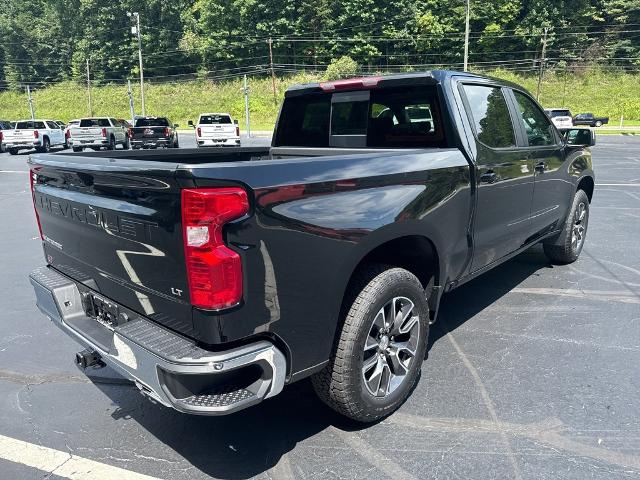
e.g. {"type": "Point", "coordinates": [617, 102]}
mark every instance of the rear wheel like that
{"type": "Point", "coordinates": [567, 246]}
{"type": "Point", "coordinates": [112, 144]}
{"type": "Point", "coordinates": [13, 151]}
{"type": "Point", "coordinates": [377, 359]}
{"type": "Point", "coordinates": [77, 149]}
{"type": "Point", "coordinates": [127, 144]}
{"type": "Point", "coordinates": [598, 123]}
{"type": "Point", "coordinates": [46, 146]}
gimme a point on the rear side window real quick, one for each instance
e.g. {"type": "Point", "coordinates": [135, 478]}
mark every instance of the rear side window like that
{"type": "Point", "coordinates": [95, 122]}
{"type": "Point", "coordinates": [53, 125]}
{"type": "Point", "coordinates": [379, 118]}
{"type": "Point", "coordinates": [489, 115]}
{"type": "Point", "coordinates": [214, 119]}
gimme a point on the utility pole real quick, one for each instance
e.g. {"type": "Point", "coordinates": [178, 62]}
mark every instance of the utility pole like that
{"type": "Point", "coordinates": [30, 101]}
{"type": "Point", "coordinates": [136, 30]}
{"type": "Point", "coordinates": [273, 75]}
{"type": "Point", "coordinates": [131, 109]}
{"type": "Point", "coordinates": [542, 61]}
{"type": "Point", "coordinates": [245, 89]}
{"type": "Point", "coordinates": [89, 90]}
{"type": "Point", "coordinates": [466, 37]}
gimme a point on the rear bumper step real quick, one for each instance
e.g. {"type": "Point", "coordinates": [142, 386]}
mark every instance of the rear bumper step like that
{"type": "Point", "coordinates": [165, 366]}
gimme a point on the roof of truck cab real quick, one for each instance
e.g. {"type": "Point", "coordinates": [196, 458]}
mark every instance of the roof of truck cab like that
{"type": "Point", "coordinates": [430, 77]}
{"type": "Point", "coordinates": [216, 113]}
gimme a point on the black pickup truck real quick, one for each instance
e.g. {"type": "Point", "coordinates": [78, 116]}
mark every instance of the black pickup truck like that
{"type": "Point", "coordinates": [153, 132]}
{"type": "Point", "coordinates": [214, 278]}
{"type": "Point", "coordinates": [590, 119]}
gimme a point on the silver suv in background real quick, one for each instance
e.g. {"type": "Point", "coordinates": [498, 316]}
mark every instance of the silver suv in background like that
{"type": "Point", "coordinates": [97, 133]}
{"type": "Point", "coordinates": [216, 130]}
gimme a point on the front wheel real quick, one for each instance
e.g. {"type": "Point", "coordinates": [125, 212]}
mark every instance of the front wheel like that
{"type": "Point", "coordinates": [377, 359]}
{"type": "Point", "coordinates": [127, 144]}
{"type": "Point", "coordinates": [567, 246]}
{"type": "Point", "coordinates": [598, 123]}
{"type": "Point", "coordinates": [112, 144]}
{"type": "Point", "coordinates": [77, 149]}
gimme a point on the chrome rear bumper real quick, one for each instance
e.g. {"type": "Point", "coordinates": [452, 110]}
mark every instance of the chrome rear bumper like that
{"type": "Point", "coordinates": [167, 367]}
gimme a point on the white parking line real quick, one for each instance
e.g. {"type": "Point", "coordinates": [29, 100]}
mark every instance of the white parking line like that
{"type": "Point", "coordinates": [14, 171]}
{"type": "Point", "coordinates": [62, 464]}
{"type": "Point", "coordinates": [617, 184]}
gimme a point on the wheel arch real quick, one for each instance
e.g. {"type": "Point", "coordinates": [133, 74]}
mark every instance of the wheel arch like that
{"type": "Point", "coordinates": [587, 184]}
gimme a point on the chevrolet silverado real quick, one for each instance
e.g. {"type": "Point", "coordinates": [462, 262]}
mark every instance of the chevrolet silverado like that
{"type": "Point", "coordinates": [212, 279]}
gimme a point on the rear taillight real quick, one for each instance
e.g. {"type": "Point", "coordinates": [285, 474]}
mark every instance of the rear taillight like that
{"type": "Point", "coordinates": [33, 179]}
{"type": "Point", "coordinates": [199, 132]}
{"type": "Point", "coordinates": [104, 132]}
{"type": "Point", "coordinates": [130, 133]}
{"type": "Point", "coordinates": [67, 134]}
{"type": "Point", "coordinates": [166, 131]}
{"type": "Point", "coordinates": [214, 271]}
{"type": "Point", "coordinates": [36, 134]}
{"type": "Point", "coordinates": [237, 131]}
{"type": "Point", "coordinates": [1, 136]}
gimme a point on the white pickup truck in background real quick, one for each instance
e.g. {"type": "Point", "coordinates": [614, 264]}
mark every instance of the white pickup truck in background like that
{"type": "Point", "coordinates": [38, 134]}
{"type": "Point", "coordinates": [217, 130]}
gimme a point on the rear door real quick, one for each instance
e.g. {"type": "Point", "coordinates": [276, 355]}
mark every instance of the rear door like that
{"type": "Point", "coordinates": [56, 136]}
{"type": "Point", "coordinates": [543, 147]}
{"type": "Point", "coordinates": [504, 175]}
{"type": "Point", "coordinates": [114, 226]}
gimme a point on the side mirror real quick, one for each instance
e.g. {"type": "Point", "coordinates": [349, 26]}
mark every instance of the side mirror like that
{"type": "Point", "coordinates": [190, 123]}
{"type": "Point", "coordinates": [580, 137]}
{"type": "Point", "coordinates": [235, 122]}
{"type": "Point", "coordinates": [175, 125]}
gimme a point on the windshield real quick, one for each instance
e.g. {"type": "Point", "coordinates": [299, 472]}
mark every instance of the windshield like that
{"type": "Point", "coordinates": [29, 125]}
{"type": "Point", "coordinates": [152, 122]}
{"type": "Point", "coordinates": [211, 119]}
{"type": "Point", "coordinates": [95, 122]}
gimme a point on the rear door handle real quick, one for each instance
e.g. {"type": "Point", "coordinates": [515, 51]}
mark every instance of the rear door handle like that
{"type": "Point", "coordinates": [540, 167]}
{"type": "Point", "coordinates": [489, 177]}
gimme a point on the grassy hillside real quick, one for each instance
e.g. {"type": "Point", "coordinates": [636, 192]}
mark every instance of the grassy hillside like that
{"type": "Point", "coordinates": [602, 93]}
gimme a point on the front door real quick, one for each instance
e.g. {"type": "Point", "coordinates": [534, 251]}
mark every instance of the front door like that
{"type": "Point", "coordinates": [504, 176]}
{"type": "Point", "coordinates": [551, 192]}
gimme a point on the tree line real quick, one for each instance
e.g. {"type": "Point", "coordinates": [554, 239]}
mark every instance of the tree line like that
{"type": "Point", "coordinates": [43, 42]}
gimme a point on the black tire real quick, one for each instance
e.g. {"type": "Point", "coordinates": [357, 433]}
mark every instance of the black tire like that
{"type": "Point", "coordinates": [77, 149]}
{"type": "Point", "coordinates": [176, 144]}
{"type": "Point", "coordinates": [13, 151]}
{"type": "Point", "coordinates": [566, 248]}
{"type": "Point", "coordinates": [598, 124]}
{"type": "Point", "coordinates": [127, 144]}
{"type": "Point", "coordinates": [112, 144]}
{"type": "Point", "coordinates": [46, 146]}
{"type": "Point", "coordinates": [341, 384]}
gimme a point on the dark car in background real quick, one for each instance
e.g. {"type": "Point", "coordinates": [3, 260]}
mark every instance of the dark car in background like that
{"type": "Point", "coordinates": [153, 132]}
{"type": "Point", "coordinates": [590, 120]}
{"type": "Point", "coordinates": [4, 125]}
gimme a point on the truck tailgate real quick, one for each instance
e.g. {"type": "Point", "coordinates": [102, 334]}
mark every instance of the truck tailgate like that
{"type": "Point", "coordinates": [114, 226]}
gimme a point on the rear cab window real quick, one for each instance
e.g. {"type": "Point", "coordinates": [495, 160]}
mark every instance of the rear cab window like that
{"type": "Point", "coordinates": [95, 122]}
{"type": "Point", "coordinates": [152, 122]}
{"type": "Point", "coordinates": [390, 117]}
{"type": "Point", "coordinates": [29, 125]}
{"type": "Point", "coordinates": [214, 119]}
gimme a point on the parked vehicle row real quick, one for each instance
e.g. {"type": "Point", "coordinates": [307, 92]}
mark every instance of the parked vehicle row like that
{"type": "Point", "coordinates": [211, 130]}
{"type": "Point", "coordinates": [562, 118]}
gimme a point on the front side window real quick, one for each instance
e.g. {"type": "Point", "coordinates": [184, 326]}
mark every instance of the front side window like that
{"type": "Point", "coordinates": [537, 126]}
{"type": "Point", "coordinates": [490, 116]}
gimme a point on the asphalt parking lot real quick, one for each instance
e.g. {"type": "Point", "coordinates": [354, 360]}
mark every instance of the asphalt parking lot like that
{"type": "Point", "coordinates": [533, 372]}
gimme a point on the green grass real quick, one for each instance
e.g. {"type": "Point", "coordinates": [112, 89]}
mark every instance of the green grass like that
{"type": "Point", "coordinates": [602, 93]}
